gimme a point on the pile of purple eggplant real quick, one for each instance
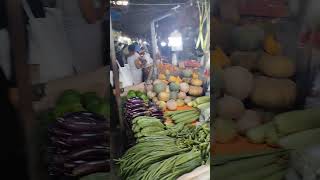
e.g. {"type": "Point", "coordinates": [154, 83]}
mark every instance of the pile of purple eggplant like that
{"type": "Point", "coordinates": [135, 107]}
{"type": "Point", "coordinates": [79, 145]}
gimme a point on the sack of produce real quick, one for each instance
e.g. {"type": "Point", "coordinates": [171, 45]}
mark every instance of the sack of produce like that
{"type": "Point", "coordinates": [277, 66]}
{"type": "Point", "coordinates": [273, 93]}
{"type": "Point", "coordinates": [238, 82]}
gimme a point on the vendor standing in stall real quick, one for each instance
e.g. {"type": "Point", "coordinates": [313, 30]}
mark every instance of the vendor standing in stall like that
{"type": "Point", "coordinates": [135, 64]}
{"type": "Point", "coordinates": [148, 65]}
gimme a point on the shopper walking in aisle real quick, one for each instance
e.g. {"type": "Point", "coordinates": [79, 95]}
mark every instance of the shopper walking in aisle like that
{"type": "Point", "coordinates": [83, 24]}
{"type": "Point", "coordinates": [135, 64]}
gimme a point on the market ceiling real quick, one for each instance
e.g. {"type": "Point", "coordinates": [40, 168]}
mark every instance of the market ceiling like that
{"type": "Point", "coordinates": [135, 19]}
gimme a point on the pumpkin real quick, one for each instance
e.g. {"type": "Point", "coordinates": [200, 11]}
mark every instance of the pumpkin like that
{"type": "Point", "coordinates": [180, 103]}
{"type": "Point", "coordinates": [174, 86]}
{"type": "Point", "coordinates": [272, 46]}
{"type": "Point", "coordinates": [162, 77]}
{"type": "Point", "coordinates": [184, 87]}
{"type": "Point", "coordinates": [172, 79]}
{"type": "Point", "coordinates": [159, 87]}
{"type": "Point", "coordinates": [238, 82]}
{"type": "Point", "coordinates": [230, 107]}
{"type": "Point", "coordinates": [187, 73]}
{"type": "Point", "coordinates": [195, 91]}
{"type": "Point", "coordinates": [195, 75]}
{"type": "Point", "coordinates": [157, 81]}
{"type": "Point", "coordinates": [246, 59]}
{"type": "Point", "coordinates": [172, 105]}
{"type": "Point", "coordinates": [247, 37]}
{"type": "Point", "coordinates": [149, 87]}
{"type": "Point", "coordinates": [162, 105]}
{"type": "Point", "coordinates": [151, 94]}
{"type": "Point", "coordinates": [178, 80]}
{"type": "Point", "coordinates": [173, 95]}
{"type": "Point", "coordinates": [249, 120]}
{"type": "Point", "coordinates": [273, 93]}
{"type": "Point", "coordinates": [164, 96]}
{"type": "Point", "coordinates": [155, 100]}
{"type": "Point", "coordinates": [182, 95]}
{"type": "Point", "coordinates": [277, 66]}
{"type": "Point", "coordinates": [196, 82]}
{"type": "Point", "coordinates": [167, 89]}
{"type": "Point", "coordinates": [219, 58]}
{"type": "Point", "coordinates": [187, 99]}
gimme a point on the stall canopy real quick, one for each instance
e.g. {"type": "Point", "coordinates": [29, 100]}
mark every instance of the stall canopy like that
{"type": "Point", "coordinates": [135, 18]}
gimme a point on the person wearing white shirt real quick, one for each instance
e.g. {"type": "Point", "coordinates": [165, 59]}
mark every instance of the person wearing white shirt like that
{"type": "Point", "coordinates": [135, 65]}
{"type": "Point", "coordinates": [148, 65]}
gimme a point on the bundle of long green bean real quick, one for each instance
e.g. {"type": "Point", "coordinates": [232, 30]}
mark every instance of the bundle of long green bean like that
{"type": "Point", "coordinates": [167, 158]}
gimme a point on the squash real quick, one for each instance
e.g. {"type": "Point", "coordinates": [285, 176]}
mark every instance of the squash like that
{"type": "Point", "coordinates": [247, 37]}
{"type": "Point", "coordinates": [273, 93]}
{"type": "Point", "coordinates": [159, 87]}
{"type": "Point", "coordinates": [272, 46]}
{"type": "Point", "coordinates": [151, 94]}
{"type": "Point", "coordinates": [219, 58]}
{"type": "Point", "coordinates": [155, 100]}
{"type": "Point", "coordinates": [184, 87]}
{"type": "Point", "coordinates": [246, 59]}
{"type": "Point", "coordinates": [173, 95]}
{"type": "Point", "coordinates": [250, 119]}
{"type": "Point", "coordinates": [178, 80]}
{"type": "Point", "coordinates": [162, 77]}
{"type": "Point", "coordinates": [174, 86]}
{"type": "Point", "coordinates": [182, 95]}
{"type": "Point", "coordinates": [195, 91]}
{"type": "Point", "coordinates": [172, 79]}
{"type": "Point", "coordinates": [225, 130]}
{"type": "Point", "coordinates": [187, 73]}
{"type": "Point", "coordinates": [180, 103]}
{"type": "Point", "coordinates": [196, 82]}
{"type": "Point", "coordinates": [187, 99]}
{"type": "Point", "coordinates": [164, 96]}
{"type": "Point", "coordinates": [230, 107]}
{"type": "Point", "coordinates": [172, 105]}
{"type": "Point", "coordinates": [162, 105]}
{"type": "Point", "coordinates": [276, 66]}
{"type": "Point", "coordinates": [195, 75]}
{"type": "Point", "coordinates": [238, 82]}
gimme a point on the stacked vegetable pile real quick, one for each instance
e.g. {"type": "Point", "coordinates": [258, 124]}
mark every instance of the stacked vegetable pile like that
{"type": "Point", "coordinates": [175, 89]}
{"type": "Point", "coordinates": [79, 145]}
{"type": "Point", "coordinates": [264, 165]}
{"type": "Point", "coordinates": [167, 157]}
{"type": "Point", "coordinates": [75, 131]}
{"type": "Point", "coordinates": [144, 126]}
{"type": "Point", "coordinates": [251, 86]}
{"type": "Point", "coordinates": [293, 130]}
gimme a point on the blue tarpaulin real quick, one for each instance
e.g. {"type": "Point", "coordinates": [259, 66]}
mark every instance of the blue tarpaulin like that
{"type": "Point", "coordinates": [115, 15]}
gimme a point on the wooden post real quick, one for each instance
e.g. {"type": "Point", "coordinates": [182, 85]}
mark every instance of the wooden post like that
{"type": "Point", "coordinates": [117, 94]}
{"type": "Point", "coordinates": [17, 31]}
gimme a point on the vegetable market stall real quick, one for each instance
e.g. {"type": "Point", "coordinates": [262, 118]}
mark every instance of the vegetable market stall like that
{"type": "Point", "coordinates": [259, 80]}
{"type": "Point", "coordinates": [72, 112]}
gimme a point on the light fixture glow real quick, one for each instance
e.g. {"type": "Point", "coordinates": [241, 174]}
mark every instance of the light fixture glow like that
{"type": "Point", "coordinates": [120, 3]}
{"type": "Point", "coordinates": [175, 41]}
{"type": "Point", "coordinates": [145, 42]}
{"type": "Point", "coordinates": [163, 44]}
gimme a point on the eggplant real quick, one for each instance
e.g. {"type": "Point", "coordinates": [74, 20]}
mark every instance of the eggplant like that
{"type": "Point", "coordinates": [91, 167]}
{"type": "Point", "coordinates": [87, 152]}
{"type": "Point", "coordinates": [59, 132]}
{"type": "Point", "coordinates": [76, 127]}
